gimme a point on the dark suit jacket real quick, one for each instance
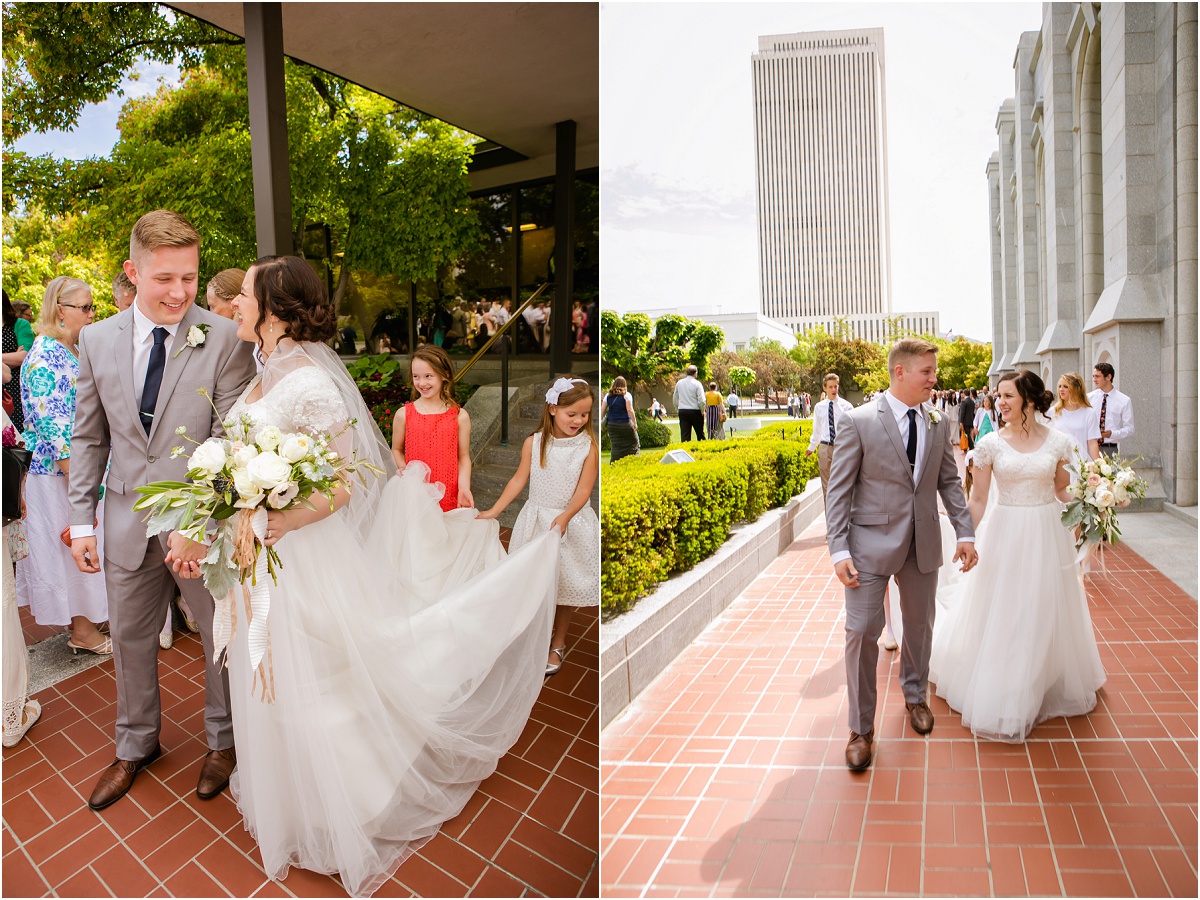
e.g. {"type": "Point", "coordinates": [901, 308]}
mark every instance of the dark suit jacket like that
{"type": "Point", "coordinates": [966, 412]}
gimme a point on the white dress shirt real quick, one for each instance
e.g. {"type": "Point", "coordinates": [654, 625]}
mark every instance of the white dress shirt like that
{"type": "Point", "coordinates": [1118, 415]}
{"type": "Point", "coordinates": [900, 411]}
{"type": "Point", "coordinates": [689, 394]}
{"type": "Point", "coordinates": [820, 420]}
{"type": "Point", "coordinates": [1080, 425]}
{"type": "Point", "coordinates": [143, 341]}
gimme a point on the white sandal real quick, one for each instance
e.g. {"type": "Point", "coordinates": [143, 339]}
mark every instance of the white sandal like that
{"type": "Point", "coordinates": [552, 669]}
{"type": "Point", "coordinates": [29, 715]}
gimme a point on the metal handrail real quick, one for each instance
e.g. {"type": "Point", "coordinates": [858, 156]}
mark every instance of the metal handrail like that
{"type": "Point", "coordinates": [511, 323]}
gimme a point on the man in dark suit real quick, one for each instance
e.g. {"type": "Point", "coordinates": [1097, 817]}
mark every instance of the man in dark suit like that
{"type": "Point", "coordinates": [966, 416]}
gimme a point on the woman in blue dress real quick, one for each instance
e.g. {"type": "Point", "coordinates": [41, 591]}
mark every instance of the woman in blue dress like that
{"type": "Point", "coordinates": [48, 581]}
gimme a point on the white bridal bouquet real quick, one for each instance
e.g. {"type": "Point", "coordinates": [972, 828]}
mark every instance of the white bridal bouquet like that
{"type": "Point", "coordinates": [233, 481]}
{"type": "Point", "coordinates": [1100, 487]}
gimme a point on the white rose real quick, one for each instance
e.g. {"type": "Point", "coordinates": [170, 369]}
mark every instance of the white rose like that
{"type": "Point", "coordinates": [1124, 477]}
{"type": "Point", "coordinates": [283, 494]}
{"type": "Point", "coordinates": [268, 469]}
{"type": "Point", "coordinates": [1105, 485]}
{"type": "Point", "coordinates": [249, 493]}
{"type": "Point", "coordinates": [1121, 494]}
{"type": "Point", "coordinates": [1105, 469]}
{"type": "Point", "coordinates": [209, 456]}
{"type": "Point", "coordinates": [195, 336]}
{"type": "Point", "coordinates": [242, 455]}
{"type": "Point", "coordinates": [1074, 490]}
{"type": "Point", "coordinates": [1105, 499]}
{"type": "Point", "coordinates": [269, 438]}
{"type": "Point", "coordinates": [296, 447]}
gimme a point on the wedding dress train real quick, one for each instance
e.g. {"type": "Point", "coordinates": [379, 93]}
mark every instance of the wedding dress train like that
{"type": "Point", "coordinates": [405, 659]}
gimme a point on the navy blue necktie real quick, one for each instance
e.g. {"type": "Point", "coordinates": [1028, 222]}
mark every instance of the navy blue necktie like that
{"type": "Point", "coordinates": [831, 421]}
{"type": "Point", "coordinates": [154, 373]}
{"type": "Point", "coordinates": [912, 439]}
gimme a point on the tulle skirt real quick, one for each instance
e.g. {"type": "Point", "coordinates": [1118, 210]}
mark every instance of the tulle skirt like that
{"type": "Point", "coordinates": [402, 672]}
{"type": "Point", "coordinates": [1013, 643]}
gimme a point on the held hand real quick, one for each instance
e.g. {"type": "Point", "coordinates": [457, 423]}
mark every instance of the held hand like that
{"type": "Point", "coordinates": [808, 453]}
{"type": "Point", "coordinates": [560, 522]}
{"type": "Point", "coordinates": [489, 514]}
{"type": "Point", "coordinates": [279, 523]}
{"type": "Point", "coordinates": [846, 573]}
{"type": "Point", "coordinates": [1106, 434]}
{"type": "Point", "coordinates": [966, 552]}
{"type": "Point", "coordinates": [184, 556]}
{"type": "Point", "coordinates": [86, 554]}
{"type": "Point", "coordinates": [465, 500]}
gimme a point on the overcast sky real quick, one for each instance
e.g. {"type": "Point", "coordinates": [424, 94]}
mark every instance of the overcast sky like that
{"type": "Point", "coordinates": [678, 217]}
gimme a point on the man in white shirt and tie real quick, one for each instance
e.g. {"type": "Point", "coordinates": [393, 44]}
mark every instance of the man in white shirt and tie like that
{"type": "Point", "coordinates": [1115, 409]}
{"type": "Point", "coordinates": [827, 415]}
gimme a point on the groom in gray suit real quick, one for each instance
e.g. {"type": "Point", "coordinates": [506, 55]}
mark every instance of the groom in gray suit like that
{"type": "Point", "coordinates": [139, 372]}
{"type": "Point", "coordinates": [891, 459]}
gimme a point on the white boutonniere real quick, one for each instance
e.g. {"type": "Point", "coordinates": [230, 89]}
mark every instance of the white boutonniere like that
{"type": "Point", "coordinates": [932, 417]}
{"type": "Point", "coordinates": [195, 337]}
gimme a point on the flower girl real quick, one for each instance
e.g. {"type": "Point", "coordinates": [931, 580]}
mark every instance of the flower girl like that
{"type": "Point", "coordinates": [560, 487]}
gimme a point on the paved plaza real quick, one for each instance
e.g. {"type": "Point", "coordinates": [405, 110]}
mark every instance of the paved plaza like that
{"type": "Point", "coordinates": [531, 830]}
{"type": "Point", "coordinates": [727, 776]}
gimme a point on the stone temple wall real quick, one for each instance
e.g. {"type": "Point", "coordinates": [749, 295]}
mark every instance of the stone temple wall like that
{"type": "Point", "coordinates": [1093, 218]}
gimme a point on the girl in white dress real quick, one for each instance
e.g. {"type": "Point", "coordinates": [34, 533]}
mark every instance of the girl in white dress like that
{"type": "Point", "coordinates": [1075, 417]}
{"type": "Point", "coordinates": [398, 680]}
{"type": "Point", "coordinates": [560, 490]}
{"type": "Point", "coordinates": [1013, 645]}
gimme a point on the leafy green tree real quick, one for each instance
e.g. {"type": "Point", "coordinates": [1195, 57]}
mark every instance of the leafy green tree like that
{"type": "Point", "coordinates": [59, 57]}
{"type": "Point", "coordinates": [38, 247]}
{"type": "Point", "coordinates": [649, 353]}
{"type": "Point", "coordinates": [775, 371]}
{"type": "Point", "coordinates": [389, 182]}
{"type": "Point", "coordinates": [962, 363]}
{"type": "Point", "coordinates": [854, 360]}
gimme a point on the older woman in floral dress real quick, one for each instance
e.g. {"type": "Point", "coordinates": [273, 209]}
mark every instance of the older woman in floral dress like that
{"type": "Point", "coordinates": [48, 581]}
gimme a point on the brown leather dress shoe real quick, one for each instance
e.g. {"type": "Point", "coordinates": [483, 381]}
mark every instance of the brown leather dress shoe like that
{"type": "Point", "coordinates": [117, 779]}
{"type": "Point", "coordinates": [859, 750]}
{"type": "Point", "coordinates": [218, 766]}
{"type": "Point", "coordinates": [920, 717]}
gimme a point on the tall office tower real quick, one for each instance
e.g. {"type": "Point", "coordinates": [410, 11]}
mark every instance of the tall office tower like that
{"type": "Point", "coordinates": [820, 137]}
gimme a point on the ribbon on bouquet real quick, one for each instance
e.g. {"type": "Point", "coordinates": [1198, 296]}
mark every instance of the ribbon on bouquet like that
{"type": "Point", "coordinates": [255, 602]}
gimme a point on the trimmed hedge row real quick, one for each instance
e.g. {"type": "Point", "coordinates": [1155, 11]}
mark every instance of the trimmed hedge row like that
{"type": "Point", "coordinates": [656, 520]}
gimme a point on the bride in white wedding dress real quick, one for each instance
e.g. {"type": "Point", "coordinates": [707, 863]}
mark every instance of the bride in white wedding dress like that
{"type": "Point", "coordinates": [406, 649]}
{"type": "Point", "coordinates": [1013, 643]}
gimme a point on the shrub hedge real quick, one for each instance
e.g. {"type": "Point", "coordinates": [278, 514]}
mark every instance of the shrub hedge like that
{"type": "Point", "coordinates": [656, 520]}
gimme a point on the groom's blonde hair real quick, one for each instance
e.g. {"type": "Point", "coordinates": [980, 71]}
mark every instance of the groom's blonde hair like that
{"type": "Point", "coordinates": [161, 228]}
{"type": "Point", "coordinates": [906, 351]}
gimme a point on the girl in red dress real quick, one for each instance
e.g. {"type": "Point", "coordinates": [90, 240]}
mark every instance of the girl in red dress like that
{"type": "Point", "coordinates": [434, 429]}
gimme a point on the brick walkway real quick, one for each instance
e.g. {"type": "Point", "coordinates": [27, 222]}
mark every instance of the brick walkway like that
{"type": "Point", "coordinates": [727, 776]}
{"type": "Point", "coordinates": [532, 829]}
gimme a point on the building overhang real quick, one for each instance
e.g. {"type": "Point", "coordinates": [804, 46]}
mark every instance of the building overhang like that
{"type": "Point", "coordinates": [507, 72]}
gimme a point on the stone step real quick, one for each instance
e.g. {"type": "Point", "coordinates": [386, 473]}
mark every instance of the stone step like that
{"type": "Point", "coordinates": [488, 483]}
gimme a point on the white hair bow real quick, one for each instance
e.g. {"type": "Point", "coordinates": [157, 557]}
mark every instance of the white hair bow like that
{"type": "Point", "coordinates": [560, 387]}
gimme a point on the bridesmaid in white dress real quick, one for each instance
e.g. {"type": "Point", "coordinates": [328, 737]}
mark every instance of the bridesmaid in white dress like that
{"type": "Point", "coordinates": [1013, 643]}
{"type": "Point", "coordinates": [1075, 417]}
{"type": "Point", "coordinates": [395, 694]}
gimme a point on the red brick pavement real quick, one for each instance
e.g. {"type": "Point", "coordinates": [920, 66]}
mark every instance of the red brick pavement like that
{"type": "Point", "coordinates": [727, 777]}
{"type": "Point", "coordinates": [532, 828]}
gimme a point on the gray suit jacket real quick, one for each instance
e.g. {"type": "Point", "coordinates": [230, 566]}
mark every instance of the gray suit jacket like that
{"type": "Point", "coordinates": [106, 414]}
{"type": "Point", "coordinates": [873, 508]}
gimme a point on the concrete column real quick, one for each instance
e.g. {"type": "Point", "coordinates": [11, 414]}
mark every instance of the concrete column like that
{"type": "Point", "coordinates": [1008, 239]}
{"type": "Point", "coordinates": [994, 237]}
{"type": "Point", "coordinates": [1028, 299]}
{"type": "Point", "coordinates": [268, 128]}
{"type": "Point", "coordinates": [1184, 449]}
{"type": "Point", "coordinates": [564, 248]}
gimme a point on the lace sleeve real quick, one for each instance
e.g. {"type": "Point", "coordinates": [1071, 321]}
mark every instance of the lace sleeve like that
{"type": "Point", "coordinates": [316, 405]}
{"type": "Point", "coordinates": [1064, 448]}
{"type": "Point", "coordinates": [985, 450]}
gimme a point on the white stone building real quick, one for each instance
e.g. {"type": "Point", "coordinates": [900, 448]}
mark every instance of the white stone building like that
{"type": "Point", "coordinates": [820, 141]}
{"type": "Point", "coordinates": [1093, 218]}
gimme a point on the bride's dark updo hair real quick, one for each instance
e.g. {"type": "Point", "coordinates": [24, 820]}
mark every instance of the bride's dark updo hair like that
{"type": "Point", "coordinates": [1031, 389]}
{"type": "Point", "coordinates": [288, 287]}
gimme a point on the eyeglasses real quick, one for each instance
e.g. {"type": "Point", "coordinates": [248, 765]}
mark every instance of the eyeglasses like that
{"type": "Point", "coordinates": [89, 308]}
